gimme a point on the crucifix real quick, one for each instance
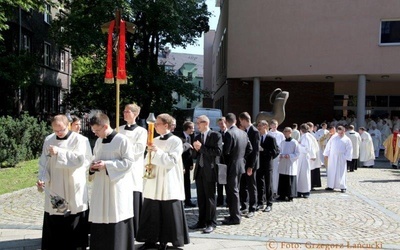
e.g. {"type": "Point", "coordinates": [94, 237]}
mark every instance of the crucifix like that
{"type": "Point", "coordinates": [116, 30]}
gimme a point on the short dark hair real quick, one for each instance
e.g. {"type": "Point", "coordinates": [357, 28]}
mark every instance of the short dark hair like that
{"type": "Point", "coordinates": [245, 116]}
{"type": "Point", "coordinates": [304, 127]}
{"type": "Point", "coordinates": [100, 119]}
{"type": "Point", "coordinates": [187, 125]}
{"type": "Point", "coordinates": [230, 118]}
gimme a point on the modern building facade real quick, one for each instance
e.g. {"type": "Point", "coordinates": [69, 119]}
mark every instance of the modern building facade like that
{"type": "Point", "coordinates": [187, 65]}
{"type": "Point", "coordinates": [335, 58]}
{"type": "Point", "coordinates": [30, 32]}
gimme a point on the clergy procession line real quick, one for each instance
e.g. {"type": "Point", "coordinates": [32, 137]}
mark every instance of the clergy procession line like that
{"type": "Point", "coordinates": [262, 166]}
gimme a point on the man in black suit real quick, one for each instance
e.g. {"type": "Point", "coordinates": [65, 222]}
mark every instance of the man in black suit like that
{"type": "Point", "coordinates": [236, 147]}
{"type": "Point", "coordinates": [208, 149]}
{"type": "Point", "coordinates": [269, 150]}
{"type": "Point", "coordinates": [187, 158]}
{"type": "Point", "coordinates": [248, 184]}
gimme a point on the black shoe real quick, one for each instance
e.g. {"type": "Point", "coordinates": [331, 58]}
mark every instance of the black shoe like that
{"type": "Point", "coordinates": [197, 226]}
{"type": "Point", "coordinates": [148, 246]}
{"type": "Point", "coordinates": [298, 195]}
{"type": "Point", "coordinates": [230, 222]}
{"type": "Point", "coordinates": [313, 189]}
{"type": "Point", "coordinates": [329, 189]}
{"type": "Point", "coordinates": [208, 229]}
{"type": "Point", "coordinates": [343, 190]}
{"type": "Point", "coordinates": [163, 246]}
{"type": "Point", "coordinates": [371, 166]}
{"type": "Point", "coordinates": [281, 198]}
{"type": "Point", "coordinates": [268, 209]}
{"type": "Point", "coordinates": [260, 207]}
{"type": "Point", "coordinates": [394, 166]}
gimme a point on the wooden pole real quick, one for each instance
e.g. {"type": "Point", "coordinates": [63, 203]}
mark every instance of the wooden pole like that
{"type": "Point", "coordinates": [117, 31]}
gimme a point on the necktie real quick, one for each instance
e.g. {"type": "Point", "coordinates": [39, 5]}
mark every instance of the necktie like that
{"type": "Point", "coordinates": [201, 160]}
{"type": "Point", "coordinates": [188, 139]}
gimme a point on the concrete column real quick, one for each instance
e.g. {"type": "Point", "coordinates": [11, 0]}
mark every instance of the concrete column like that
{"type": "Point", "coordinates": [361, 92]}
{"type": "Point", "coordinates": [256, 98]}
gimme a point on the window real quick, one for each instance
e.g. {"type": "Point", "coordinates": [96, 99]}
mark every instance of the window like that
{"type": "Point", "coordinates": [26, 43]}
{"type": "Point", "coordinates": [62, 60]}
{"type": "Point", "coordinates": [390, 32]}
{"type": "Point", "coordinates": [394, 101]}
{"type": "Point", "coordinates": [190, 76]}
{"type": "Point", "coordinates": [46, 54]}
{"type": "Point", "coordinates": [47, 14]}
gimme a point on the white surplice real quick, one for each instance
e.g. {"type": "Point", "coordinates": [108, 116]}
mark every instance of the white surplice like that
{"type": "Point", "coordinates": [339, 150]}
{"type": "Point", "coordinates": [112, 200]}
{"type": "Point", "coordinates": [307, 152]}
{"type": "Point", "coordinates": [279, 137]}
{"type": "Point", "coordinates": [356, 141]}
{"type": "Point", "coordinates": [65, 174]}
{"type": "Point", "coordinates": [168, 170]}
{"type": "Point", "coordinates": [288, 166]}
{"type": "Point", "coordinates": [376, 140]}
{"type": "Point", "coordinates": [138, 139]}
{"type": "Point", "coordinates": [367, 152]}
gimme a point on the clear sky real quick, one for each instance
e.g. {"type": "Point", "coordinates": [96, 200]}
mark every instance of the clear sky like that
{"type": "Point", "coordinates": [213, 25]}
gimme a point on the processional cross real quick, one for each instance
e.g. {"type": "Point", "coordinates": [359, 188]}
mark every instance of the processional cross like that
{"type": "Point", "coordinates": [116, 30]}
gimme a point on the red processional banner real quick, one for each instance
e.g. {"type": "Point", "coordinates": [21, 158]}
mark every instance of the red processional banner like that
{"type": "Point", "coordinates": [121, 69]}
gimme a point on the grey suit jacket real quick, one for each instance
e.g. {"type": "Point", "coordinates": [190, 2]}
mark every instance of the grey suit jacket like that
{"type": "Point", "coordinates": [236, 147]}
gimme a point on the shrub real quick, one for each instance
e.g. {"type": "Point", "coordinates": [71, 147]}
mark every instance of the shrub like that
{"type": "Point", "coordinates": [21, 139]}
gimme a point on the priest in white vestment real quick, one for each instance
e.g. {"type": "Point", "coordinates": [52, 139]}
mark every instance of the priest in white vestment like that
{"type": "Point", "coordinates": [367, 152]}
{"type": "Point", "coordinates": [63, 166]}
{"type": "Point", "coordinates": [376, 139]}
{"type": "Point", "coordinates": [138, 138]}
{"type": "Point", "coordinates": [111, 203]}
{"type": "Point", "coordinates": [307, 154]}
{"type": "Point", "coordinates": [279, 137]}
{"type": "Point", "coordinates": [338, 151]}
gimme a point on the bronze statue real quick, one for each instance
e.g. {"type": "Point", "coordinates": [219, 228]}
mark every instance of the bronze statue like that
{"type": "Point", "coordinates": [278, 107]}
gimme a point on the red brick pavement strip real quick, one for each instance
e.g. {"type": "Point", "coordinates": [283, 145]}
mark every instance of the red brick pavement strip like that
{"type": "Point", "coordinates": [369, 213]}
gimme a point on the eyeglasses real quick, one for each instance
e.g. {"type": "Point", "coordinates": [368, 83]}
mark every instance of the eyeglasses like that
{"type": "Point", "coordinates": [200, 122]}
{"type": "Point", "coordinates": [97, 130]}
{"type": "Point", "coordinates": [60, 131]}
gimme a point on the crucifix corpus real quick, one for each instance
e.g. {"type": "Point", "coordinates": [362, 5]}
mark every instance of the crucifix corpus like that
{"type": "Point", "coordinates": [116, 30]}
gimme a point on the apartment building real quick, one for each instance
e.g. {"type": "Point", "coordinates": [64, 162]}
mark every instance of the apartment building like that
{"type": "Point", "coordinates": [335, 58]}
{"type": "Point", "coordinates": [30, 32]}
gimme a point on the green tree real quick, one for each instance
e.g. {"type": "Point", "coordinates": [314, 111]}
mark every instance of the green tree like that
{"type": "Point", "coordinates": [178, 22]}
{"type": "Point", "coordinates": [7, 7]}
{"type": "Point", "coordinates": [18, 72]}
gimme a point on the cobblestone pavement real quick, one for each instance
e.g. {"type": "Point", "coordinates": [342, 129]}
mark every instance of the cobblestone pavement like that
{"type": "Point", "coordinates": [366, 216]}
